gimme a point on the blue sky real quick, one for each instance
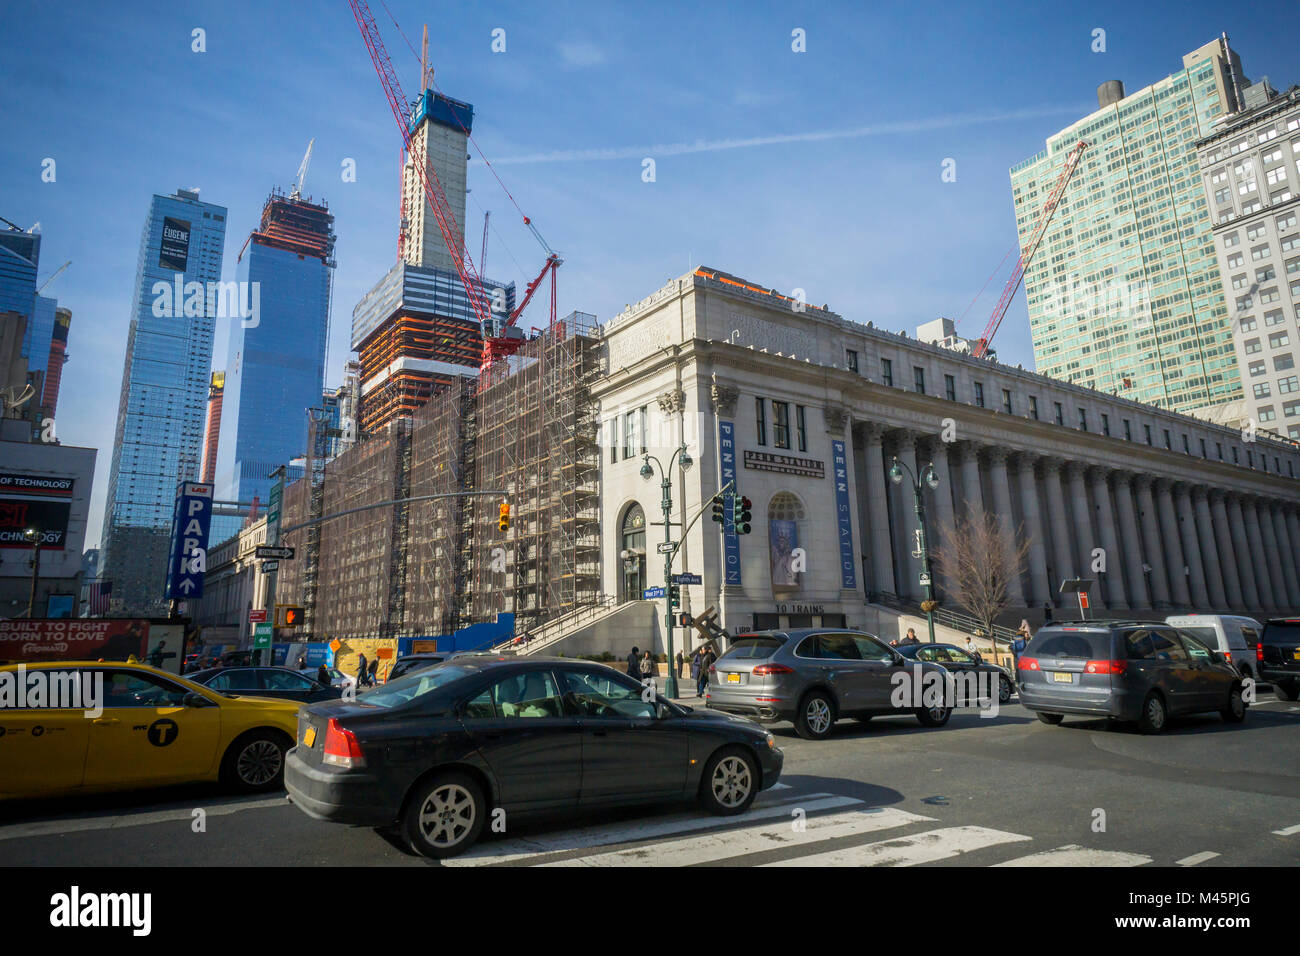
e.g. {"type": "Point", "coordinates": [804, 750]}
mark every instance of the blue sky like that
{"type": "Point", "coordinates": [858, 217]}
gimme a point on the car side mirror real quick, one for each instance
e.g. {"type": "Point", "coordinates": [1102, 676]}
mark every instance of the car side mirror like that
{"type": "Point", "coordinates": [1217, 657]}
{"type": "Point", "coordinates": [195, 699]}
{"type": "Point", "coordinates": [898, 661]}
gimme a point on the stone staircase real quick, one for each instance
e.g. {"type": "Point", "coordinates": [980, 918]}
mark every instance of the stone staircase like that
{"type": "Point", "coordinates": [594, 624]}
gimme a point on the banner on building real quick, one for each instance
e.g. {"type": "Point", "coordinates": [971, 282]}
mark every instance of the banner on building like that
{"type": "Point", "coordinates": [843, 515]}
{"type": "Point", "coordinates": [43, 502]}
{"type": "Point", "coordinates": [174, 253]}
{"type": "Point", "coordinates": [75, 639]}
{"type": "Point", "coordinates": [730, 540]}
{"type": "Point", "coordinates": [782, 540]}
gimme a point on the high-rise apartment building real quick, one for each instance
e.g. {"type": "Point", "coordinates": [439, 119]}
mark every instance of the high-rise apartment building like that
{"type": "Point", "coordinates": [212, 428]}
{"type": "Point", "coordinates": [159, 437]}
{"type": "Point", "coordinates": [275, 370]}
{"type": "Point", "coordinates": [1250, 168]}
{"type": "Point", "coordinates": [1124, 292]}
{"type": "Point", "coordinates": [416, 331]}
{"type": "Point", "coordinates": [45, 325]}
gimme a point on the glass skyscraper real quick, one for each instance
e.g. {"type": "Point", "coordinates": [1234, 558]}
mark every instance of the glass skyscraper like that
{"type": "Point", "coordinates": [275, 370]}
{"type": "Point", "coordinates": [1124, 293]}
{"type": "Point", "coordinates": [159, 437]}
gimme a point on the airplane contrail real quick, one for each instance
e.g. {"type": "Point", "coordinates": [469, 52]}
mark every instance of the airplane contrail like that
{"type": "Point", "coordinates": [854, 132]}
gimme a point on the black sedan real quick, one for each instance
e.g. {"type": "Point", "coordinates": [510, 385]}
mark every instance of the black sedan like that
{"type": "Point", "coordinates": [434, 752]}
{"type": "Point", "coordinates": [279, 682]}
{"type": "Point", "coordinates": [958, 661]}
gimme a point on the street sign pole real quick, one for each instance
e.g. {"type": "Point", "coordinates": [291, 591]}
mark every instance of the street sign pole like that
{"type": "Point", "coordinates": [273, 539]}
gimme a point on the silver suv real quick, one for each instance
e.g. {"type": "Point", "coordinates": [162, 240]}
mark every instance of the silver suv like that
{"type": "Point", "coordinates": [815, 676]}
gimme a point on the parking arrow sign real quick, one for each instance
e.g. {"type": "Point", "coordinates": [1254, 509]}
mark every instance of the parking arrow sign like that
{"type": "Point", "coordinates": [191, 521]}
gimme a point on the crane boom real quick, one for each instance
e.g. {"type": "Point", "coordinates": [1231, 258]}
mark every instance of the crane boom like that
{"type": "Point", "coordinates": [53, 276]}
{"type": "Point", "coordinates": [981, 347]}
{"type": "Point", "coordinates": [302, 170]}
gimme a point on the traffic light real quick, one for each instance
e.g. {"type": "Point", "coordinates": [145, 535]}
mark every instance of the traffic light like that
{"type": "Point", "coordinates": [674, 595]}
{"type": "Point", "coordinates": [290, 616]}
{"type": "Point", "coordinates": [685, 619]}
{"type": "Point", "coordinates": [719, 510]}
{"type": "Point", "coordinates": [741, 514]}
{"type": "Point", "coordinates": [503, 521]}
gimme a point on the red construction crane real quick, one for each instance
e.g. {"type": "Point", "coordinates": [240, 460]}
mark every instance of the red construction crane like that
{"type": "Point", "coordinates": [981, 346]}
{"type": "Point", "coordinates": [494, 346]}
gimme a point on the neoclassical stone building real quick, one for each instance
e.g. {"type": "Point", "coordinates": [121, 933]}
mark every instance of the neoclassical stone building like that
{"type": "Point", "coordinates": [806, 410]}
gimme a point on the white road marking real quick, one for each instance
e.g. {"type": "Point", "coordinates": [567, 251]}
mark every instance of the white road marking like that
{"type": "Point", "coordinates": [1075, 855]}
{"type": "Point", "coordinates": [1288, 830]}
{"type": "Point", "coordinates": [909, 851]}
{"type": "Point", "coordinates": [731, 843]}
{"type": "Point", "coordinates": [47, 827]}
{"type": "Point", "coordinates": [507, 851]}
{"type": "Point", "coordinates": [1196, 858]}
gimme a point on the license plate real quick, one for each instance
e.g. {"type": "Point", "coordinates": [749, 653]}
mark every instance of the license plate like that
{"type": "Point", "coordinates": [1060, 678]}
{"type": "Point", "coordinates": [309, 737]}
{"type": "Point", "coordinates": [735, 678]}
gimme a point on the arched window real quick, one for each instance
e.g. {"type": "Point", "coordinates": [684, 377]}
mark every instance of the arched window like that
{"type": "Point", "coordinates": [632, 553]}
{"type": "Point", "coordinates": [784, 514]}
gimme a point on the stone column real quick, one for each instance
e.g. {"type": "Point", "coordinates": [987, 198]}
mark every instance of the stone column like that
{"type": "Point", "coordinates": [1060, 522]}
{"type": "Point", "coordinates": [1209, 548]}
{"type": "Point", "coordinates": [1174, 562]}
{"type": "Point", "coordinates": [1115, 595]}
{"type": "Point", "coordinates": [1226, 550]}
{"type": "Point", "coordinates": [1151, 543]}
{"type": "Point", "coordinates": [1292, 519]}
{"type": "Point", "coordinates": [1263, 582]}
{"type": "Point", "coordinates": [1186, 515]}
{"type": "Point", "coordinates": [882, 549]}
{"type": "Point", "coordinates": [1007, 521]}
{"type": "Point", "coordinates": [1085, 538]}
{"type": "Point", "coordinates": [1273, 559]}
{"type": "Point", "coordinates": [1131, 540]}
{"type": "Point", "coordinates": [972, 495]}
{"type": "Point", "coordinates": [1286, 547]}
{"type": "Point", "coordinates": [940, 511]}
{"type": "Point", "coordinates": [1241, 547]}
{"type": "Point", "coordinates": [909, 582]}
{"type": "Point", "coordinates": [1039, 588]}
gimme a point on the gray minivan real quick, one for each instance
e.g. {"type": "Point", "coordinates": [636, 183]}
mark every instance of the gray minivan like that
{"type": "Point", "coordinates": [1126, 670]}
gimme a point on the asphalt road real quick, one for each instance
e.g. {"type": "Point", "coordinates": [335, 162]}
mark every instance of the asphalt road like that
{"type": "Point", "coordinates": [978, 792]}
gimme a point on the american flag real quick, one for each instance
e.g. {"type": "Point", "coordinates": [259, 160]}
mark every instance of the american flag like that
{"type": "Point", "coordinates": [100, 592]}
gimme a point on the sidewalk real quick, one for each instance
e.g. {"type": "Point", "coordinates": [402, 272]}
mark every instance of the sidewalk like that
{"type": "Point", "coordinates": [685, 690]}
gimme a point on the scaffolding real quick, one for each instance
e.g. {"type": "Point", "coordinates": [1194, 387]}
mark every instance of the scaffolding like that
{"type": "Point", "coordinates": [537, 441]}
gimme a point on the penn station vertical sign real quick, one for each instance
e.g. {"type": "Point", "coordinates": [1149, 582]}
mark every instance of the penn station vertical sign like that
{"type": "Point", "coordinates": [174, 252]}
{"type": "Point", "coordinates": [843, 515]}
{"type": "Point", "coordinates": [730, 540]}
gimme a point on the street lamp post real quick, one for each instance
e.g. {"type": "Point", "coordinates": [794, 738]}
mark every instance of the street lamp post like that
{"type": "Point", "coordinates": [665, 485]}
{"type": "Point", "coordinates": [34, 536]}
{"type": "Point", "coordinates": [931, 481]}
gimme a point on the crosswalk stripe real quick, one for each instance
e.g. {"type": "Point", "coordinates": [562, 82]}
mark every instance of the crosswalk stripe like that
{"type": "Point", "coordinates": [731, 843]}
{"type": "Point", "coordinates": [1075, 855]}
{"type": "Point", "coordinates": [1287, 831]}
{"type": "Point", "coordinates": [924, 847]}
{"type": "Point", "coordinates": [506, 851]}
{"type": "Point", "coordinates": [38, 828]}
{"type": "Point", "coordinates": [1196, 858]}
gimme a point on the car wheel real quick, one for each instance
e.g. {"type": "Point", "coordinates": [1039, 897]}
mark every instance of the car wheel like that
{"type": "Point", "coordinates": [1235, 711]}
{"type": "Point", "coordinates": [1287, 690]}
{"type": "Point", "coordinates": [1154, 714]}
{"type": "Point", "coordinates": [730, 782]}
{"type": "Point", "coordinates": [1052, 719]}
{"type": "Point", "coordinates": [254, 763]}
{"type": "Point", "coordinates": [933, 716]}
{"type": "Point", "coordinates": [444, 815]}
{"type": "Point", "coordinates": [1004, 689]}
{"type": "Point", "coordinates": [816, 716]}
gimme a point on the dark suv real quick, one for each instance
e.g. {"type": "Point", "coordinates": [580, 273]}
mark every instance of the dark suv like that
{"type": "Point", "coordinates": [1277, 657]}
{"type": "Point", "coordinates": [1126, 670]}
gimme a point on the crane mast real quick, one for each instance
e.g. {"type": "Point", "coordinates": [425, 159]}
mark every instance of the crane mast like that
{"type": "Point", "coordinates": [981, 347]}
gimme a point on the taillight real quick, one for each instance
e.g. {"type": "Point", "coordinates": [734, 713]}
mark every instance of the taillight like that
{"type": "Point", "coordinates": [713, 668]}
{"type": "Point", "coordinates": [1259, 652]}
{"type": "Point", "coordinates": [763, 670]}
{"type": "Point", "coordinates": [341, 747]}
{"type": "Point", "coordinates": [1029, 663]}
{"type": "Point", "coordinates": [1105, 667]}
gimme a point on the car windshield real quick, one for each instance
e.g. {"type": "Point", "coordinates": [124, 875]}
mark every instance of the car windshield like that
{"type": "Point", "coordinates": [753, 647]}
{"type": "Point", "coordinates": [1085, 645]}
{"type": "Point", "coordinates": [417, 684]}
{"type": "Point", "coordinates": [1281, 632]}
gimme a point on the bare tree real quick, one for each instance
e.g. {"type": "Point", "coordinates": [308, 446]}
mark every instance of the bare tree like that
{"type": "Point", "coordinates": [978, 559]}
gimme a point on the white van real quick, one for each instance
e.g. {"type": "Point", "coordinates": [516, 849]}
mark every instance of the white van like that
{"type": "Point", "coordinates": [1234, 636]}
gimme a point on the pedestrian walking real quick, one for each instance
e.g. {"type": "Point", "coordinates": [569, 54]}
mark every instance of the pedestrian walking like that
{"type": "Point", "coordinates": [706, 661]}
{"type": "Point", "coordinates": [634, 664]}
{"type": "Point", "coordinates": [695, 663]}
{"type": "Point", "coordinates": [323, 675]}
{"type": "Point", "coordinates": [911, 637]}
{"type": "Point", "coordinates": [302, 662]}
{"type": "Point", "coordinates": [1047, 613]}
{"type": "Point", "coordinates": [1023, 637]}
{"type": "Point", "coordinates": [371, 678]}
{"type": "Point", "coordinates": [361, 670]}
{"type": "Point", "coordinates": [680, 662]}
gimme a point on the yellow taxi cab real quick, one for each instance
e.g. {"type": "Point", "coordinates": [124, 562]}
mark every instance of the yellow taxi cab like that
{"type": "Point", "coordinates": [79, 727]}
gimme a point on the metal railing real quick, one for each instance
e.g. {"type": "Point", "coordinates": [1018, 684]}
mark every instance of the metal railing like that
{"type": "Point", "coordinates": [948, 618]}
{"type": "Point", "coordinates": [558, 627]}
